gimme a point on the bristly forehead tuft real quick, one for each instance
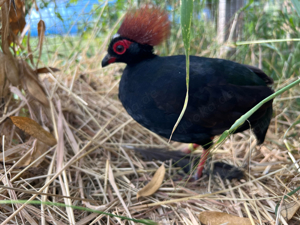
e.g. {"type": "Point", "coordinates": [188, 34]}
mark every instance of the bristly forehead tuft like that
{"type": "Point", "coordinates": [147, 25]}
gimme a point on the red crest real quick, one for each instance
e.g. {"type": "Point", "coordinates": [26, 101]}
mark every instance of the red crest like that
{"type": "Point", "coordinates": [147, 25]}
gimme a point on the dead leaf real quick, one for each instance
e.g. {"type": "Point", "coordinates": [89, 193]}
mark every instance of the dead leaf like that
{"type": "Point", "coordinates": [8, 70]}
{"type": "Point", "coordinates": [154, 184]}
{"type": "Point", "coordinates": [289, 210]}
{"type": "Point", "coordinates": [47, 70]}
{"type": "Point", "coordinates": [41, 35]}
{"type": "Point", "coordinates": [5, 29]}
{"type": "Point", "coordinates": [32, 83]}
{"type": "Point", "coordinates": [34, 129]}
{"type": "Point", "coordinates": [3, 83]}
{"type": "Point", "coordinates": [217, 218]}
{"type": "Point", "coordinates": [37, 151]}
{"type": "Point", "coordinates": [11, 70]}
{"type": "Point", "coordinates": [15, 13]}
{"type": "Point", "coordinates": [16, 28]}
{"type": "Point", "coordinates": [41, 29]}
{"type": "Point", "coordinates": [9, 64]}
{"type": "Point", "coordinates": [2, 2]}
{"type": "Point", "coordinates": [16, 19]}
{"type": "Point", "coordinates": [36, 91]}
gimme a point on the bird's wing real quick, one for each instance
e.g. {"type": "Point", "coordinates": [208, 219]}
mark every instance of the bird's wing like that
{"type": "Point", "coordinates": [213, 102]}
{"type": "Point", "coordinates": [213, 106]}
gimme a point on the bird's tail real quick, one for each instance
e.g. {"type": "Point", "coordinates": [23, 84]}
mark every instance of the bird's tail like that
{"type": "Point", "coordinates": [260, 128]}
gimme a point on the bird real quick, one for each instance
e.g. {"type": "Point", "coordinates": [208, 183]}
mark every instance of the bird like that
{"type": "Point", "coordinates": [152, 88]}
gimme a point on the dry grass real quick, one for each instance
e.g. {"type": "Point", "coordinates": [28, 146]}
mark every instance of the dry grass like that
{"type": "Point", "coordinates": [93, 164]}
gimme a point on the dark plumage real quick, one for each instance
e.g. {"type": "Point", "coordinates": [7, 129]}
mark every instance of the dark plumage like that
{"type": "Point", "coordinates": [221, 91]}
{"type": "Point", "coordinates": [152, 90]}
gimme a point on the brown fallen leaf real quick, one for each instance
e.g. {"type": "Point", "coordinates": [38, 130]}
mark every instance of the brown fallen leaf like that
{"type": "Point", "coordinates": [154, 184]}
{"type": "Point", "coordinates": [34, 129]}
{"type": "Point", "coordinates": [289, 210]}
{"type": "Point", "coordinates": [217, 218]}
{"type": "Point", "coordinates": [36, 152]}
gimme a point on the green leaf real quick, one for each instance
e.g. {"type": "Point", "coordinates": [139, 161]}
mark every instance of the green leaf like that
{"type": "Point", "coordinates": [292, 22]}
{"type": "Point", "coordinates": [186, 19]}
{"type": "Point", "coordinates": [296, 4]}
{"type": "Point", "coordinates": [186, 12]}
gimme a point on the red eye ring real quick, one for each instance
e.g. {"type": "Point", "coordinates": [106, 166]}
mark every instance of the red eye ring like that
{"type": "Point", "coordinates": [120, 47]}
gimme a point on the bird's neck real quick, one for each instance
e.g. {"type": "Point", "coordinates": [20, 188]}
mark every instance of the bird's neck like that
{"type": "Point", "coordinates": [140, 53]}
{"type": "Point", "coordinates": [141, 57]}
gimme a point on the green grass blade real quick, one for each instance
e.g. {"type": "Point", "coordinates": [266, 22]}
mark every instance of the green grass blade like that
{"type": "Point", "coordinates": [266, 41]}
{"type": "Point", "coordinates": [296, 4]}
{"type": "Point", "coordinates": [34, 202]}
{"type": "Point", "coordinates": [186, 19]}
{"type": "Point", "coordinates": [186, 12]}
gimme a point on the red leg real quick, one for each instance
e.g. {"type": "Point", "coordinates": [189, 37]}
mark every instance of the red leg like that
{"type": "Point", "coordinates": [200, 167]}
{"type": "Point", "coordinates": [203, 159]}
{"type": "Point", "coordinates": [204, 156]}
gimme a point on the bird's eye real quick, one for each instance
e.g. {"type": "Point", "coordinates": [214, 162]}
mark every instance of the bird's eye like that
{"type": "Point", "coordinates": [120, 48]}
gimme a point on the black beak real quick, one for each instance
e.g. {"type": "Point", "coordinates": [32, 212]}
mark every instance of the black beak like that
{"type": "Point", "coordinates": [107, 60]}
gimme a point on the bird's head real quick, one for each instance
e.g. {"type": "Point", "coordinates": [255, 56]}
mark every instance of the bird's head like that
{"type": "Point", "coordinates": [140, 30]}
